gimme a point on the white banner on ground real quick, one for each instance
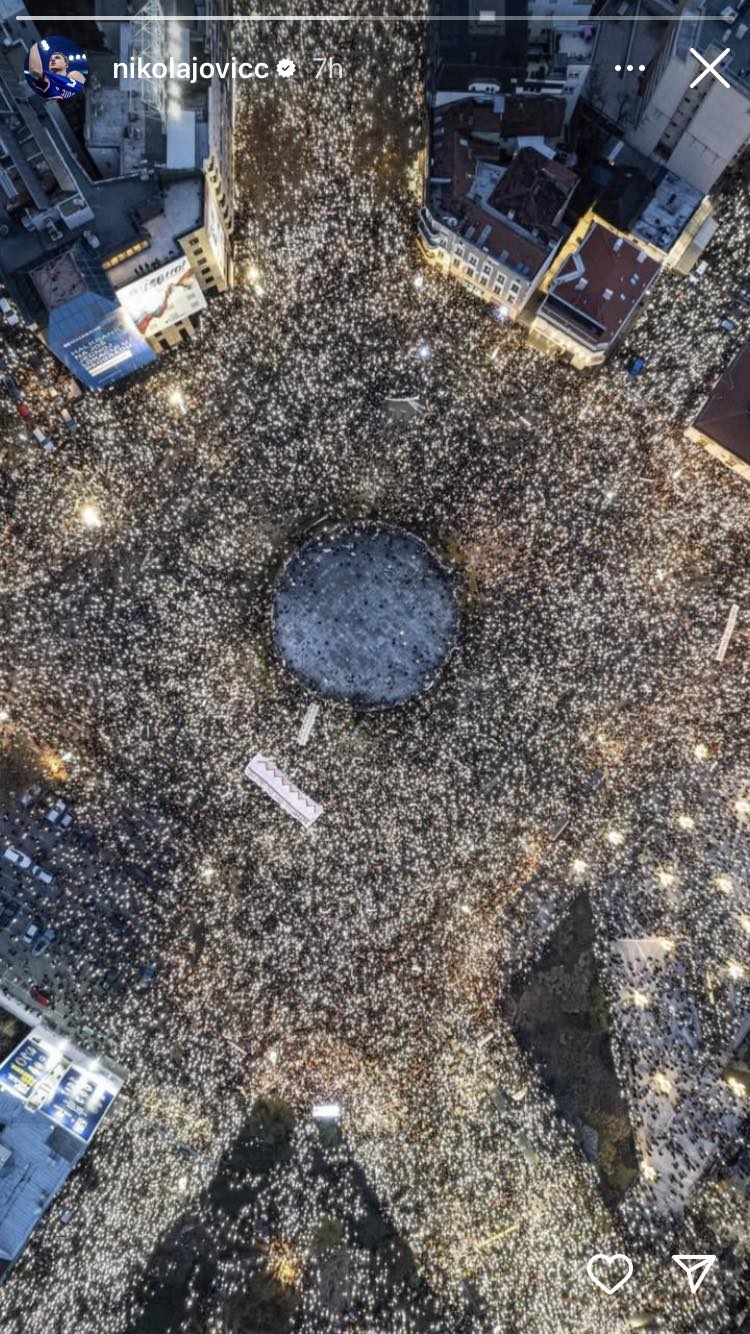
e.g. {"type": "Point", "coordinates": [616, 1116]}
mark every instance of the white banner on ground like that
{"type": "Point", "coordinates": [265, 772]}
{"type": "Point", "coordinates": [728, 631]}
{"type": "Point", "coordinates": [308, 722]}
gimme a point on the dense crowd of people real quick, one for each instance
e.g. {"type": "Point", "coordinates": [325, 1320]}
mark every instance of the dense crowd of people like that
{"type": "Point", "coordinates": [582, 737]}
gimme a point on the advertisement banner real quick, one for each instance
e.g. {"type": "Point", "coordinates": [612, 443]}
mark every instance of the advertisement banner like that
{"type": "Point", "coordinates": [163, 297]}
{"type": "Point", "coordinates": [79, 1102]}
{"type": "Point", "coordinates": [31, 1061]}
{"type": "Point", "coordinates": [97, 341]}
{"type": "Point", "coordinates": [215, 231]}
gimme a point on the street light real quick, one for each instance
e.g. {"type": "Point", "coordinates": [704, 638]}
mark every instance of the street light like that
{"type": "Point", "coordinates": [90, 516]}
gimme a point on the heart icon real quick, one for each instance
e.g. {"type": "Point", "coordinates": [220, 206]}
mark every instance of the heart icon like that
{"type": "Point", "coordinates": [606, 1261]}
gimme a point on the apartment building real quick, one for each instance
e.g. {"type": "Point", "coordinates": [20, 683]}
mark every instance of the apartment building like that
{"type": "Point", "coordinates": [593, 296]}
{"type": "Point", "coordinates": [694, 132]}
{"type": "Point", "coordinates": [495, 195]}
{"type": "Point", "coordinates": [493, 50]}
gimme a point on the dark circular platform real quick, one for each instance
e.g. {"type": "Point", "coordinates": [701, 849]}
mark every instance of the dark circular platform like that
{"type": "Point", "coordinates": [365, 614]}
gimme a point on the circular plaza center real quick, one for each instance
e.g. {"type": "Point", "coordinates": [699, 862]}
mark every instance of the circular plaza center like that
{"type": "Point", "coordinates": [365, 614]}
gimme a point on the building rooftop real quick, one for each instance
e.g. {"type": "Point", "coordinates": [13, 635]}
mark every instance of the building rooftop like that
{"type": "Point", "coordinates": [533, 192]}
{"type": "Point", "coordinates": [46, 197]}
{"type": "Point", "coordinates": [511, 207]}
{"type": "Point", "coordinates": [725, 418]}
{"type": "Point", "coordinates": [641, 196]}
{"type": "Point", "coordinates": [115, 129]}
{"type": "Point", "coordinates": [599, 286]}
{"type": "Point", "coordinates": [58, 280]}
{"type": "Point", "coordinates": [181, 212]}
{"type": "Point", "coordinates": [476, 50]}
{"type": "Point", "coordinates": [31, 1173]}
{"type": "Point", "coordinates": [50, 204]}
{"type": "Point", "coordinates": [542, 115]}
{"type": "Point", "coordinates": [665, 215]}
{"type": "Point", "coordinates": [720, 30]}
{"type": "Point", "coordinates": [52, 1098]}
{"type": "Point", "coordinates": [503, 241]}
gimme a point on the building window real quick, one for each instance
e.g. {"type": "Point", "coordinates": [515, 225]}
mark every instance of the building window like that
{"type": "Point", "coordinates": [473, 261]}
{"type": "Point", "coordinates": [500, 284]}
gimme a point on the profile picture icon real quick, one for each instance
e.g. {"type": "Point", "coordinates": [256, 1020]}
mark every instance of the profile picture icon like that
{"type": "Point", "coordinates": [56, 68]}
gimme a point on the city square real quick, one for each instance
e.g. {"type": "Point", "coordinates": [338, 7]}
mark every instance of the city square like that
{"type": "Point", "coordinates": [580, 737]}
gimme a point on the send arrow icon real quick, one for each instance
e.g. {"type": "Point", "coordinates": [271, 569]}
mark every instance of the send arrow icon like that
{"type": "Point", "coordinates": [696, 1267]}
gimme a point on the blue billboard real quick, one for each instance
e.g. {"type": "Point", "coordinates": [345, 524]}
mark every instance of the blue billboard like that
{"type": "Point", "coordinates": [97, 340]}
{"type": "Point", "coordinates": [31, 1061]}
{"type": "Point", "coordinates": [79, 1102]}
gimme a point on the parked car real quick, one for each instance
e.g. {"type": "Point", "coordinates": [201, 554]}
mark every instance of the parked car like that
{"type": "Point", "coordinates": [59, 814]}
{"type": "Point", "coordinates": [43, 439]}
{"type": "Point", "coordinates": [110, 977]}
{"type": "Point", "coordinates": [635, 368]}
{"type": "Point", "coordinates": [43, 942]}
{"type": "Point", "coordinates": [25, 412]}
{"type": "Point", "coordinates": [9, 909]}
{"type": "Point", "coordinates": [41, 996]}
{"type": "Point", "coordinates": [8, 311]}
{"type": "Point", "coordinates": [17, 858]}
{"type": "Point", "coordinates": [146, 977]}
{"type": "Point", "coordinates": [43, 876]}
{"type": "Point", "coordinates": [11, 388]}
{"type": "Point", "coordinates": [32, 930]}
{"type": "Point", "coordinates": [29, 797]}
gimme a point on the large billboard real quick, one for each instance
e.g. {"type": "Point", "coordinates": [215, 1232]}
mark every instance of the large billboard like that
{"type": "Point", "coordinates": [43, 1073]}
{"type": "Point", "coordinates": [30, 1063]}
{"type": "Point", "coordinates": [79, 1102]}
{"type": "Point", "coordinates": [97, 340]}
{"type": "Point", "coordinates": [163, 297]}
{"type": "Point", "coordinates": [215, 231]}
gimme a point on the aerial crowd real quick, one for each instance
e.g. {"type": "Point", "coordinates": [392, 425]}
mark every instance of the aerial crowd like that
{"type": "Point", "coordinates": [582, 738]}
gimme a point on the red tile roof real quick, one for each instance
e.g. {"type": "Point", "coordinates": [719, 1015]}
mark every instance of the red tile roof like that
{"type": "Point", "coordinates": [725, 418]}
{"type": "Point", "coordinates": [533, 115]}
{"type": "Point", "coordinates": [534, 192]}
{"type": "Point", "coordinates": [599, 286]}
{"type": "Point", "coordinates": [520, 220]}
{"type": "Point", "coordinates": [520, 252]}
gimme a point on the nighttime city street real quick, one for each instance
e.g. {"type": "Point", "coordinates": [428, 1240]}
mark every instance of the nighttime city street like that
{"type": "Point", "coordinates": [479, 1011]}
